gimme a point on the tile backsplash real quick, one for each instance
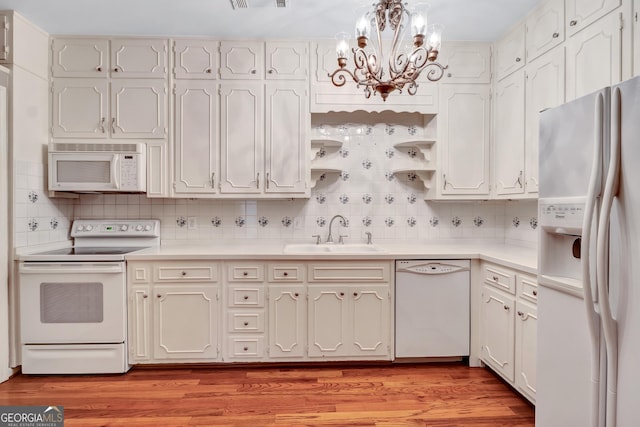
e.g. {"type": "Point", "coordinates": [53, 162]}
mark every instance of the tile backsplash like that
{"type": "Point", "coordinates": [366, 192]}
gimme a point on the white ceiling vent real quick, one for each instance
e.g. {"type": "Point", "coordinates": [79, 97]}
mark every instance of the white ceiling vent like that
{"type": "Point", "coordinates": [257, 4]}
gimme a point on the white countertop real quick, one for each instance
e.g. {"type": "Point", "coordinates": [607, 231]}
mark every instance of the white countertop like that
{"type": "Point", "coordinates": [518, 257]}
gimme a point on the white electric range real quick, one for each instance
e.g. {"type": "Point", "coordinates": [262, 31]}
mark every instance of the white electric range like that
{"type": "Point", "coordinates": [73, 306]}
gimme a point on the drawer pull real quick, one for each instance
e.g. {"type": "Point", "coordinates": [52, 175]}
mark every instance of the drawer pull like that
{"type": "Point", "coordinates": [245, 274]}
{"type": "Point", "coordinates": [246, 323]}
{"type": "Point", "coordinates": [535, 293]}
{"type": "Point", "coordinates": [285, 274]}
{"type": "Point", "coordinates": [184, 273]}
{"type": "Point", "coordinates": [246, 297]}
{"type": "Point", "coordinates": [245, 348]}
{"type": "Point", "coordinates": [495, 278]}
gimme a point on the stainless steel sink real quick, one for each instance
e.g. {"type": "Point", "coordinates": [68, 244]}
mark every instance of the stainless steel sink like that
{"type": "Point", "coordinates": [348, 248]}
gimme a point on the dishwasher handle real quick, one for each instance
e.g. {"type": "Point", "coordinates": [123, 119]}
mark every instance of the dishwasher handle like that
{"type": "Point", "coordinates": [71, 268]}
{"type": "Point", "coordinates": [432, 268]}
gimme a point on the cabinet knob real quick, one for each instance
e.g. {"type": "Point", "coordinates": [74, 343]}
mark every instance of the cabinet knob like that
{"type": "Point", "coordinates": [98, 68]}
{"type": "Point", "coordinates": [244, 273]}
{"type": "Point", "coordinates": [285, 274]}
{"type": "Point", "coordinates": [518, 59]}
{"type": "Point", "coordinates": [208, 71]}
{"type": "Point", "coordinates": [246, 323]}
{"type": "Point", "coordinates": [520, 313]}
{"type": "Point", "coordinates": [449, 74]}
{"type": "Point", "coordinates": [495, 278]}
{"type": "Point", "coordinates": [355, 294]}
{"type": "Point", "coordinates": [341, 294]}
{"type": "Point", "coordinates": [246, 297]}
{"type": "Point", "coordinates": [555, 35]}
{"type": "Point", "coordinates": [145, 296]}
{"type": "Point", "coordinates": [296, 294]}
{"type": "Point", "coordinates": [535, 293]}
{"type": "Point", "coordinates": [159, 295]}
{"type": "Point", "coordinates": [573, 23]}
{"type": "Point", "coordinates": [506, 307]}
{"type": "Point", "coordinates": [116, 69]}
{"type": "Point", "coordinates": [253, 71]}
{"type": "Point", "coordinates": [184, 273]}
{"type": "Point", "coordinates": [270, 71]}
{"type": "Point", "coordinates": [245, 348]}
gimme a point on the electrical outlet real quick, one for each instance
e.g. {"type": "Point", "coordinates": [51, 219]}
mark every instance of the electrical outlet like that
{"type": "Point", "coordinates": [192, 223]}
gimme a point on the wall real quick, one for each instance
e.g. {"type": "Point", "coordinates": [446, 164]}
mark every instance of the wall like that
{"type": "Point", "coordinates": [366, 192]}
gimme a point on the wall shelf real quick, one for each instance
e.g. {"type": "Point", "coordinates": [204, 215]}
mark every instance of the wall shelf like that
{"type": "Point", "coordinates": [318, 144]}
{"type": "Point", "coordinates": [318, 171]}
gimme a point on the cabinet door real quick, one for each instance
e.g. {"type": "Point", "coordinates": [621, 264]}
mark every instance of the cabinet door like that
{"type": "Point", "coordinates": [463, 140]}
{"type": "Point", "coordinates": [370, 325]}
{"type": "Point", "coordinates": [287, 60]}
{"type": "Point", "coordinates": [581, 13]}
{"type": "Point", "coordinates": [242, 140]}
{"type": "Point", "coordinates": [79, 57]}
{"type": "Point", "coordinates": [287, 321]}
{"type": "Point", "coordinates": [241, 60]}
{"type": "Point", "coordinates": [181, 336]}
{"type": "Point", "coordinates": [509, 135]}
{"type": "Point", "coordinates": [588, 72]}
{"type": "Point", "coordinates": [544, 89]}
{"type": "Point", "coordinates": [327, 321]}
{"type": "Point", "coordinates": [545, 28]}
{"type": "Point", "coordinates": [195, 59]}
{"type": "Point", "coordinates": [196, 136]}
{"type": "Point", "coordinates": [526, 347]}
{"type": "Point", "coordinates": [498, 315]}
{"type": "Point", "coordinates": [5, 38]}
{"type": "Point", "coordinates": [510, 51]}
{"type": "Point", "coordinates": [139, 58]}
{"type": "Point", "coordinates": [286, 144]}
{"type": "Point", "coordinates": [467, 62]}
{"type": "Point", "coordinates": [138, 108]}
{"type": "Point", "coordinates": [157, 169]}
{"type": "Point", "coordinates": [80, 108]}
{"type": "Point", "coordinates": [140, 338]}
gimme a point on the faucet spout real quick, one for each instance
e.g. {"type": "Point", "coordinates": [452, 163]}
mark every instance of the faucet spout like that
{"type": "Point", "coordinates": [343, 221]}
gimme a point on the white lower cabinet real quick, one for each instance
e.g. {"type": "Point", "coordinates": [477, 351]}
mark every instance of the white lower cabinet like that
{"type": "Point", "coordinates": [173, 312]}
{"type": "Point", "coordinates": [508, 326]}
{"type": "Point", "coordinates": [287, 321]}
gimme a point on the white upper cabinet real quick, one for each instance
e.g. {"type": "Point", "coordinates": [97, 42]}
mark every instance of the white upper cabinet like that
{"type": "Point", "coordinates": [287, 60]}
{"type": "Point", "coordinates": [138, 108]}
{"type": "Point", "coordinates": [581, 13]}
{"type": "Point", "coordinates": [466, 62]}
{"type": "Point", "coordinates": [509, 135]}
{"type": "Point", "coordinates": [195, 59]}
{"type": "Point", "coordinates": [510, 52]}
{"type": "Point", "coordinates": [242, 60]}
{"type": "Point", "coordinates": [544, 89]}
{"type": "Point", "coordinates": [594, 57]}
{"type": "Point", "coordinates": [545, 28]}
{"type": "Point", "coordinates": [119, 58]}
{"type": "Point", "coordinates": [80, 108]}
{"type": "Point", "coordinates": [463, 142]}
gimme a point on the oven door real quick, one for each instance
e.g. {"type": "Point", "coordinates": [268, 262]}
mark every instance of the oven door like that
{"type": "Point", "coordinates": [71, 302]}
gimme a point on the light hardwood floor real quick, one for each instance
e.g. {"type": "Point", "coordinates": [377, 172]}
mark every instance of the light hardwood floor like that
{"type": "Point", "coordinates": [435, 395]}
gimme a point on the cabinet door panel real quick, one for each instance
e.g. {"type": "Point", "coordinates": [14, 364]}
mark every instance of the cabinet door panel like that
{"type": "Point", "coordinates": [286, 144]}
{"type": "Point", "coordinates": [241, 60]}
{"type": "Point", "coordinates": [526, 348]}
{"type": "Point", "coordinates": [509, 138]}
{"type": "Point", "coordinates": [544, 89]}
{"type": "Point", "coordinates": [287, 60]}
{"type": "Point", "coordinates": [467, 62]}
{"type": "Point", "coordinates": [139, 58]}
{"type": "Point", "coordinates": [287, 323]}
{"type": "Point", "coordinates": [498, 331]}
{"type": "Point", "coordinates": [195, 59]}
{"type": "Point", "coordinates": [545, 28]}
{"type": "Point", "coordinates": [242, 141]}
{"type": "Point", "coordinates": [80, 108]}
{"type": "Point", "coordinates": [327, 321]}
{"type": "Point", "coordinates": [196, 137]}
{"type": "Point", "coordinates": [138, 108]}
{"type": "Point", "coordinates": [79, 57]}
{"type": "Point", "coordinates": [370, 309]}
{"type": "Point", "coordinates": [581, 13]}
{"type": "Point", "coordinates": [140, 323]}
{"type": "Point", "coordinates": [181, 336]}
{"type": "Point", "coordinates": [463, 140]}
{"type": "Point", "coordinates": [587, 72]}
{"type": "Point", "coordinates": [511, 52]}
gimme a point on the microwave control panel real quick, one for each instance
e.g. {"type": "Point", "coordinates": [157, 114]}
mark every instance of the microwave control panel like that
{"type": "Point", "coordinates": [130, 176]}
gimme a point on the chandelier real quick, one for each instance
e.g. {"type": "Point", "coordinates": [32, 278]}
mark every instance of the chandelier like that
{"type": "Point", "coordinates": [405, 63]}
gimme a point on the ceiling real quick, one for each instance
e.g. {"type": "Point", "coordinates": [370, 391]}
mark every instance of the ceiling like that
{"type": "Point", "coordinates": [483, 20]}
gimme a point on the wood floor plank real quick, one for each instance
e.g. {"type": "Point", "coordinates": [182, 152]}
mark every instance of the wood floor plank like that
{"type": "Point", "coordinates": [433, 395]}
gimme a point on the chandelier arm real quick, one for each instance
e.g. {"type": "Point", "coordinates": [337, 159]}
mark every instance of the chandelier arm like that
{"type": "Point", "coordinates": [367, 66]}
{"type": "Point", "coordinates": [434, 70]}
{"type": "Point", "coordinates": [338, 79]}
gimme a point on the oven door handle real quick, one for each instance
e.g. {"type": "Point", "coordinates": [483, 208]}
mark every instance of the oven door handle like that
{"type": "Point", "coordinates": [71, 268]}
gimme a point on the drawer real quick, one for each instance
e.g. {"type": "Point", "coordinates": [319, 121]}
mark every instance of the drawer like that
{"type": "Point", "coordinates": [245, 272]}
{"type": "Point", "coordinates": [286, 272]}
{"type": "Point", "coordinates": [246, 296]}
{"type": "Point", "coordinates": [185, 272]}
{"type": "Point", "coordinates": [242, 321]}
{"type": "Point", "coordinates": [252, 347]}
{"type": "Point", "coordinates": [349, 272]}
{"type": "Point", "coordinates": [500, 278]}
{"type": "Point", "coordinates": [527, 287]}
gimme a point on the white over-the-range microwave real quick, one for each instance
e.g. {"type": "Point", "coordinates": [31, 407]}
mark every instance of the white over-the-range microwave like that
{"type": "Point", "coordinates": [97, 167]}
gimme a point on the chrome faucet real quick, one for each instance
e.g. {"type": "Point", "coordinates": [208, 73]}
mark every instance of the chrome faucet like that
{"type": "Point", "coordinates": [344, 224]}
{"type": "Point", "coordinates": [368, 233]}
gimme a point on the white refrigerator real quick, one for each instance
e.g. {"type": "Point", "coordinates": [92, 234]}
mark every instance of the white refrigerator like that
{"type": "Point", "coordinates": [588, 370]}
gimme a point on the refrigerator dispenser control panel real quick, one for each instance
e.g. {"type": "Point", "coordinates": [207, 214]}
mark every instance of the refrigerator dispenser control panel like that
{"type": "Point", "coordinates": [563, 218]}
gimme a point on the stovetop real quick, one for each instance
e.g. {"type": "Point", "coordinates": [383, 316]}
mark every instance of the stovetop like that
{"type": "Point", "coordinates": [91, 251]}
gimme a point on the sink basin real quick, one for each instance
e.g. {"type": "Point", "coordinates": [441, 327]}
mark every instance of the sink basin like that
{"type": "Point", "coordinates": [349, 248]}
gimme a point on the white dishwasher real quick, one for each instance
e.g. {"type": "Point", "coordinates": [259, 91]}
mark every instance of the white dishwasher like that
{"type": "Point", "coordinates": [432, 308]}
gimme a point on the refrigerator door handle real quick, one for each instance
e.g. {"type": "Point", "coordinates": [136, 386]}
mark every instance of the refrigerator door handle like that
{"type": "Point", "coordinates": [609, 325]}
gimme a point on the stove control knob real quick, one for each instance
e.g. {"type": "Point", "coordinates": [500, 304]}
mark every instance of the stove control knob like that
{"type": "Point", "coordinates": [124, 227]}
{"type": "Point", "coordinates": [139, 227]}
{"type": "Point", "coordinates": [147, 227]}
{"type": "Point", "coordinates": [88, 227]}
{"type": "Point", "coordinates": [80, 228]}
